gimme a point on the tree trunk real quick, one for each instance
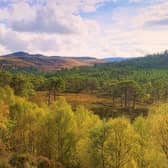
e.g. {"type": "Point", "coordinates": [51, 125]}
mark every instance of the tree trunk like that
{"type": "Point", "coordinates": [134, 102]}
{"type": "Point", "coordinates": [125, 98]}
{"type": "Point", "coordinates": [54, 94]}
{"type": "Point", "coordinates": [49, 97]}
{"type": "Point", "coordinates": [113, 101]}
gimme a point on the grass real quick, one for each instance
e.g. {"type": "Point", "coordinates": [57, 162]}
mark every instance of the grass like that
{"type": "Point", "coordinates": [103, 106]}
{"type": "Point", "coordinates": [75, 99]}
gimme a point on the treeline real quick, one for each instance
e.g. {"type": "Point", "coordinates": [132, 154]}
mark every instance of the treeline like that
{"type": "Point", "coordinates": [56, 136]}
{"type": "Point", "coordinates": [131, 87]}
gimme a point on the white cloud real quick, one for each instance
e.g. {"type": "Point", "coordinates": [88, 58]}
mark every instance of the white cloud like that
{"type": "Point", "coordinates": [56, 28]}
{"type": "Point", "coordinates": [60, 16]}
{"type": "Point", "coordinates": [11, 40]}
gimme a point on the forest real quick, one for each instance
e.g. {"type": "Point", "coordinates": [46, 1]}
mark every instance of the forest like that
{"type": "Point", "coordinates": [128, 128]}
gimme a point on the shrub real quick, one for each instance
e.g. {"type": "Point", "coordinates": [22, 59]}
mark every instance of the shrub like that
{"type": "Point", "coordinates": [19, 160]}
{"type": "Point", "coordinates": [4, 164]}
{"type": "Point", "coordinates": [43, 162]}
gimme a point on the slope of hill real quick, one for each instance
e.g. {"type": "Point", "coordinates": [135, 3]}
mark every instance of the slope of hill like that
{"type": "Point", "coordinates": [37, 62]}
{"type": "Point", "coordinates": [150, 62]}
{"type": "Point", "coordinates": [127, 69]}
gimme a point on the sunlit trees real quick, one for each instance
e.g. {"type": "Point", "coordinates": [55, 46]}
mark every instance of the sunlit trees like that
{"type": "Point", "coordinates": [6, 100]}
{"type": "Point", "coordinates": [97, 146]}
{"type": "Point", "coordinates": [112, 144]}
{"type": "Point", "coordinates": [7, 95]}
{"type": "Point", "coordinates": [60, 133]}
{"type": "Point", "coordinates": [56, 134]}
{"type": "Point", "coordinates": [85, 121]}
{"type": "Point", "coordinates": [121, 143]}
{"type": "Point", "coordinates": [150, 152]}
{"type": "Point", "coordinates": [140, 126]}
{"type": "Point", "coordinates": [4, 112]}
{"type": "Point", "coordinates": [159, 126]}
{"type": "Point", "coordinates": [26, 118]}
{"type": "Point", "coordinates": [162, 132]}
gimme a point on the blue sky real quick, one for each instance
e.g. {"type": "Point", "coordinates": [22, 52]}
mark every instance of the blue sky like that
{"type": "Point", "coordinates": [99, 28]}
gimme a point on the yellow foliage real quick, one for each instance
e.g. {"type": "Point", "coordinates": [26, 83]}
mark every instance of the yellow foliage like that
{"type": "Point", "coordinates": [4, 112]}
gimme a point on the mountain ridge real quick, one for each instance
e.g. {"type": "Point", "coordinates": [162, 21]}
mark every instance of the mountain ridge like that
{"type": "Point", "coordinates": [25, 61]}
{"type": "Point", "coordinates": [37, 62]}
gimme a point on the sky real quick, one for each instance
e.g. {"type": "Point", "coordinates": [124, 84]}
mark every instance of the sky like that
{"type": "Point", "coordinates": [98, 28]}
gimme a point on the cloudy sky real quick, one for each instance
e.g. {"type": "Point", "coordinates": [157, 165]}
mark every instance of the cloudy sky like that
{"type": "Point", "coordinates": [100, 28]}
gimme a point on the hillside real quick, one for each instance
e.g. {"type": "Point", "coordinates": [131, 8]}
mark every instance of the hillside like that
{"type": "Point", "coordinates": [37, 62]}
{"type": "Point", "coordinates": [134, 68]}
{"type": "Point", "coordinates": [150, 62]}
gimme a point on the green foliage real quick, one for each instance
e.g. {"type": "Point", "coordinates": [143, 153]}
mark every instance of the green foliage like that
{"type": "Point", "coordinates": [159, 127]}
{"type": "Point", "coordinates": [150, 75]}
{"type": "Point", "coordinates": [26, 118]}
{"type": "Point", "coordinates": [57, 135]}
{"type": "Point", "coordinates": [54, 86]}
{"type": "Point", "coordinates": [22, 86]}
{"type": "Point", "coordinates": [60, 133]}
{"type": "Point", "coordinates": [5, 78]}
{"type": "Point", "coordinates": [111, 144]}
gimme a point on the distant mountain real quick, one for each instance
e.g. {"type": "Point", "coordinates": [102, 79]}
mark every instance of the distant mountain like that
{"type": "Point", "coordinates": [37, 62]}
{"type": "Point", "coordinates": [115, 59]}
